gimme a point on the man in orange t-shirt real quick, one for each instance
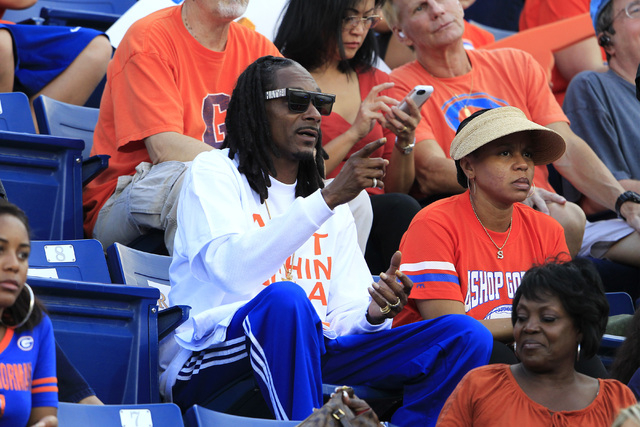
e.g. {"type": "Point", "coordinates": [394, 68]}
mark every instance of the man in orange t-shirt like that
{"type": "Point", "coordinates": [168, 87]}
{"type": "Point", "coordinates": [467, 81]}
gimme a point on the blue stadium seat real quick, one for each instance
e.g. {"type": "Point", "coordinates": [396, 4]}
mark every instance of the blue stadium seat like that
{"type": "Point", "coordinates": [116, 7]}
{"type": "Point", "coordinates": [136, 268]}
{"type": "Point", "coordinates": [156, 415]}
{"type": "Point", "coordinates": [100, 21]}
{"type": "Point", "coordinates": [109, 333]}
{"type": "Point", "coordinates": [133, 267]}
{"type": "Point", "coordinates": [61, 119]}
{"type": "Point", "coordinates": [58, 118]}
{"type": "Point", "coordinates": [619, 303]}
{"type": "Point", "coordinates": [81, 260]}
{"type": "Point", "coordinates": [42, 174]}
{"type": "Point", "coordinates": [15, 113]}
{"type": "Point", "coordinates": [197, 416]}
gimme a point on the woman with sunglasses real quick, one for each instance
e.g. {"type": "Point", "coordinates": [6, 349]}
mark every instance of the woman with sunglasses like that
{"type": "Point", "coordinates": [27, 350]}
{"type": "Point", "coordinates": [332, 40]}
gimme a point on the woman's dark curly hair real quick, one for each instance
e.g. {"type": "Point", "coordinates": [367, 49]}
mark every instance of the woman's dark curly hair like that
{"type": "Point", "coordinates": [249, 131]}
{"type": "Point", "coordinates": [578, 286]}
{"type": "Point", "coordinates": [18, 311]}
{"type": "Point", "coordinates": [310, 31]}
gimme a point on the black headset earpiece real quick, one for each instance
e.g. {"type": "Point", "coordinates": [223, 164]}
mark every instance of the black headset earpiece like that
{"type": "Point", "coordinates": [604, 40]}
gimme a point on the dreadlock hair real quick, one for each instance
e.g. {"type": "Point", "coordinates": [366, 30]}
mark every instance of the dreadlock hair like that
{"type": "Point", "coordinates": [311, 31]}
{"type": "Point", "coordinates": [19, 310]}
{"type": "Point", "coordinates": [249, 131]}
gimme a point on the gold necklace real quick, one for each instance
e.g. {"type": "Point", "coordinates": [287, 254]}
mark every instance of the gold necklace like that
{"type": "Point", "coordinates": [500, 254]}
{"type": "Point", "coordinates": [288, 271]}
{"type": "Point", "coordinates": [466, 110]}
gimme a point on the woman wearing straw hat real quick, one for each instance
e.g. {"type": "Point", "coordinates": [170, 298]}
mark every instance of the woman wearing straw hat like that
{"type": "Point", "coordinates": [467, 253]}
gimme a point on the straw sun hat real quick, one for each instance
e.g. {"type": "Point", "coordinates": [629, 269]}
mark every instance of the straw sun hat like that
{"type": "Point", "coordinates": [496, 123]}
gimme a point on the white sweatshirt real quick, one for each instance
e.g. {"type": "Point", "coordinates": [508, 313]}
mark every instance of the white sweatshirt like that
{"type": "Point", "coordinates": [227, 249]}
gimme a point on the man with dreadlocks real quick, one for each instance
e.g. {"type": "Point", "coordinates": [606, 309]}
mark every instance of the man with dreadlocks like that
{"type": "Point", "coordinates": [267, 258]}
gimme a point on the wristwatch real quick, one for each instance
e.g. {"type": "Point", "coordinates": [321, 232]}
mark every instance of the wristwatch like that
{"type": "Point", "coordinates": [627, 196]}
{"type": "Point", "coordinates": [406, 150]}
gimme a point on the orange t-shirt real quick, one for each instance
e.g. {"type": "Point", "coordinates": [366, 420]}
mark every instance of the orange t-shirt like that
{"type": "Point", "coordinates": [448, 255]}
{"type": "Point", "coordinates": [162, 80]}
{"type": "Point", "coordinates": [498, 78]}
{"type": "Point", "coordinates": [490, 396]}
{"type": "Point", "coordinates": [475, 37]}
{"type": "Point", "coordinates": [540, 12]}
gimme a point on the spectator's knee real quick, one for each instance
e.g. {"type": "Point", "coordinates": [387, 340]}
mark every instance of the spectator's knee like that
{"type": "Point", "coordinates": [286, 297]}
{"type": "Point", "coordinates": [573, 220]}
{"type": "Point", "coordinates": [6, 47]}
{"type": "Point", "coordinates": [478, 337]}
{"type": "Point", "coordinates": [98, 52]}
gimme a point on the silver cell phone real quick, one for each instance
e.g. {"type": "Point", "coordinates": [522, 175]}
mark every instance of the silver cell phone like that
{"type": "Point", "coordinates": [419, 94]}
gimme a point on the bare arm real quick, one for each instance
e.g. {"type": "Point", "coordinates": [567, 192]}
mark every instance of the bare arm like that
{"type": "Point", "coordinates": [591, 207]}
{"type": "Point", "coordinates": [356, 175]}
{"type": "Point", "coordinates": [581, 56]}
{"type": "Point", "coordinates": [401, 171]}
{"type": "Point", "coordinates": [16, 4]}
{"type": "Point", "coordinates": [44, 416]}
{"type": "Point", "coordinates": [435, 173]}
{"type": "Point", "coordinates": [372, 108]}
{"type": "Point", "coordinates": [166, 146]}
{"type": "Point", "coordinates": [590, 176]}
{"type": "Point", "coordinates": [585, 170]}
{"type": "Point", "coordinates": [501, 329]}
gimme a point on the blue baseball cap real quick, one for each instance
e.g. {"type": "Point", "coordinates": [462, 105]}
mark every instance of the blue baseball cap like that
{"type": "Point", "coordinates": [596, 9]}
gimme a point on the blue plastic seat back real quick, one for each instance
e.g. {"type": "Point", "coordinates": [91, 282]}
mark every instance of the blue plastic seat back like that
{"type": "Point", "coordinates": [156, 415]}
{"type": "Point", "coordinates": [117, 7]}
{"type": "Point", "coordinates": [67, 120]}
{"type": "Point", "coordinates": [15, 113]}
{"type": "Point", "coordinates": [109, 333]}
{"type": "Point", "coordinates": [620, 303]}
{"type": "Point", "coordinates": [82, 260]}
{"type": "Point", "coordinates": [136, 268]}
{"type": "Point", "coordinates": [133, 267]}
{"type": "Point", "coordinates": [42, 174]}
{"type": "Point", "coordinates": [197, 416]}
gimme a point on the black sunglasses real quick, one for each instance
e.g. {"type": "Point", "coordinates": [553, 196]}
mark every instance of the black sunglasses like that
{"type": "Point", "coordinates": [299, 99]}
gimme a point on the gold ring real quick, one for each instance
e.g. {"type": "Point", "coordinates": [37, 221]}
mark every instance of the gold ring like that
{"type": "Point", "coordinates": [385, 309]}
{"type": "Point", "coordinates": [395, 304]}
{"type": "Point", "coordinates": [404, 129]}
